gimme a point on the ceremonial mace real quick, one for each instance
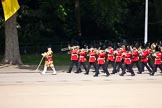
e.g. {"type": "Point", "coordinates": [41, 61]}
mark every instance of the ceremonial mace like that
{"type": "Point", "coordinates": [39, 64]}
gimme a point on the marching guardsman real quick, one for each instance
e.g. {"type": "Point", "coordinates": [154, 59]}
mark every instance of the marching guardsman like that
{"type": "Point", "coordinates": [144, 61]}
{"type": "Point", "coordinates": [123, 49]}
{"type": "Point", "coordinates": [127, 63]}
{"type": "Point", "coordinates": [74, 58]}
{"type": "Point", "coordinates": [82, 60]}
{"type": "Point", "coordinates": [149, 57]}
{"type": "Point", "coordinates": [110, 57]}
{"type": "Point", "coordinates": [101, 63]}
{"type": "Point", "coordinates": [92, 60]}
{"type": "Point", "coordinates": [48, 61]}
{"type": "Point", "coordinates": [135, 58]}
{"type": "Point", "coordinates": [118, 60]}
{"type": "Point", "coordinates": [157, 62]}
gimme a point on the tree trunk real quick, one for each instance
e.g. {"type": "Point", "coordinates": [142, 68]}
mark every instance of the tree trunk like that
{"type": "Point", "coordinates": [12, 54]}
{"type": "Point", "coordinates": [77, 15]}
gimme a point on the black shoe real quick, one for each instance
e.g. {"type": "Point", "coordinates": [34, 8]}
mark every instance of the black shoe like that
{"type": "Point", "coordinates": [76, 72]}
{"type": "Point", "coordinates": [68, 72]}
{"type": "Point", "coordinates": [132, 74]}
{"type": "Point", "coordinates": [95, 75]}
{"type": "Point", "coordinates": [121, 74]}
{"type": "Point", "coordinates": [85, 73]}
{"type": "Point", "coordinates": [107, 75]}
{"type": "Point", "coordinates": [113, 73]}
{"type": "Point", "coordinates": [80, 71]}
{"type": "Point", "coordinates": [139, 72]}
{"type": "Point", "coordinates": [151, 74]}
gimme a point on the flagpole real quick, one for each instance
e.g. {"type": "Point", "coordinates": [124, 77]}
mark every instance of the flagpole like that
{"type": "Point", "coordinates": [146, 22]}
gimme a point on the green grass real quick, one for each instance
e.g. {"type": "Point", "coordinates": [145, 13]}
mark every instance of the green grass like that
{"type": "Point", "coordinates": [34, 59]}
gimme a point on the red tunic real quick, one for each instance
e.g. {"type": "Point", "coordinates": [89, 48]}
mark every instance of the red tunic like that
{"type": "Point", "coordinates": [82, 55]}
{"type": "Point", "coordinates": [101, 58]}
{"type": "Point", "coordinates": [118, 56]}
{"type": "Point", "coordinates": [135, 55]}
{"type": "Point", "coordinates": [144, 55]}
{"type": "Point", "coordinates": [127, 59]}
{"type": "Point", "coordinates": [92, 57]}
{"type": "Point", "coordinates": [158, 56]}
{"type": "Point", "coordinates": [110, 54]}
{"type": "Point", "coordinates": [74, 54]}
{"type": "Point", "coordinates": [123, 51]}
{"type": "Point", "coordinates": [49, 59]}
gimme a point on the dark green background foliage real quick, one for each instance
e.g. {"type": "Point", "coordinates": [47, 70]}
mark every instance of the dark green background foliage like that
{"type": "Point", "coordinates": [43, 22]}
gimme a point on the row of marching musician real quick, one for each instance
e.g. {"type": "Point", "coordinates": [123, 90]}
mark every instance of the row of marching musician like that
{"type": "Point", "coordinates": [123, 58]}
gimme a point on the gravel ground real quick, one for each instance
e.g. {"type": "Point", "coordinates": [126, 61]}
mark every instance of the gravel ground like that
{"type": "Point", "coordinates": [23, 87]}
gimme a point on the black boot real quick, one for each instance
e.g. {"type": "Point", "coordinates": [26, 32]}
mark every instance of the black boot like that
{"type": "Point", "coordinates": [96, 75]}
{"type": "Point", "coordinates": [152, 74]}
{"type": "Point", "coordinates": [133, 74]}
{"type": "Point", "coordinates": [122, 74]}
{"type": "Point", "coordinates": [139, 72]}
{"type": "Point", "coordinates": [68, 72]}
{"type": "Point", "coordinates": [86, 73]}
{"type": "Point", "coordinates": [107, 75]}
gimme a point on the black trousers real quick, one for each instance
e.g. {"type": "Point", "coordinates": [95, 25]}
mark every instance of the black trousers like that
{"type": "Point", "coordinates": [129, 67]}
{"type": "Point", "coordinates": [143, 65]}
{"type": "Point", "coordinates": [108, 63]}
{"type": "Point", "coordinates": [103, 67]}
{"type": "Point", "coordinates": [79, 66]}
{"type": "Point", "coordinates": [73, 62]}
{"type": "Point", "coordinates": [117, 67]}
{"type": "Point", "coordinates": [150, 64]}
{"type": "Point", "coordinates": [89, 66]}
{"type": "Point", "coordinates": [155, 66]}
{"type": "Point", "coordinates": [137, 65]}
{"type": "Point", "coordinates": [112, 64]}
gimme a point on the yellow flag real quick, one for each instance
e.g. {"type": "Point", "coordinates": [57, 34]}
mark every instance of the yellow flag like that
{"type": "Point", "coordinates": [9, 7]}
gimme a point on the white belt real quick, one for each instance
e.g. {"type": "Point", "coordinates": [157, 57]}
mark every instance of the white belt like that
{"type": "Point", "coordinates": [118, 56]}
{"type": "Point", "coordinates": [110, 55]}
{"type": "Point", "coordinates": [101, 58]}
{"type": "Point", "coordinates": [157, 59]}
{"type": "Point", "coordinates": [81, 56]}
{"type": "Point", "coordinates": [74, 54]}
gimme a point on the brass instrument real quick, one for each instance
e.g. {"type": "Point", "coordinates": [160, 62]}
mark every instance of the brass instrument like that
{"type": "Point", "coordinates": [69, 48]}
{"type": "Point", "coordinates": [131, 48]}
{"type": "Point", "coordinates": [153, 46]}
{"type": "Point", "coordinates": [160, 48]}
{"type": "Point", "coordinates": [140, 50]}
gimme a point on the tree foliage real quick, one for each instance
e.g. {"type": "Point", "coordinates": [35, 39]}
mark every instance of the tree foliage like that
{"type": "Point", "coordinates": [41, 21]}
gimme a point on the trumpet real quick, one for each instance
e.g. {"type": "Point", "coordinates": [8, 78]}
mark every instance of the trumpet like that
{"type": "Point", "coordinates": [69, 48]}
{"type": "Point", "coordinates": [86, 50]}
